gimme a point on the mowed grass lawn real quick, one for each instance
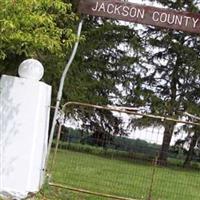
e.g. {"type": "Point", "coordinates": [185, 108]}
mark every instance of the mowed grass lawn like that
{"type": "Point", "coordinates": [126, 178]}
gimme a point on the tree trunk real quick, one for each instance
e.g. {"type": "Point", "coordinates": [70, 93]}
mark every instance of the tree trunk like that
{"type": "Point", "coordinates": [171, 109]}
{"type": "Point", "coordinates": [191, 150]}
{"type": "Point", "coordinates": [162, 159]}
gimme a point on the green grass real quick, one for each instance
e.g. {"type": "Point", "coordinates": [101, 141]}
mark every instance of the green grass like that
{"type": "Point", "coordinates": [126, 178]}
{"type": "Point", "coordinates": [52, 193]}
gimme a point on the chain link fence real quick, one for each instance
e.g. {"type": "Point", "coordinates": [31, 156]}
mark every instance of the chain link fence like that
{"type": "Point", "coordinates": [128, 167]}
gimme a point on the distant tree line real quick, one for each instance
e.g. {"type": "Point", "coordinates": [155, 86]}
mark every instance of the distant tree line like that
{"type": "Point", "coordinates": [129, 145]}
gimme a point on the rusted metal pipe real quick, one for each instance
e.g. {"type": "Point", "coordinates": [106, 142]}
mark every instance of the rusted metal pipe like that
{"type": "Point", "coordinates": [89, 192]}
{"type": "Point", "coordinates": [117, 109]}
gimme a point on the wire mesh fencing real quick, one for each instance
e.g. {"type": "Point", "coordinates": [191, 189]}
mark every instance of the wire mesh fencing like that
{"type": "Point", "coordinates": [140, 165]}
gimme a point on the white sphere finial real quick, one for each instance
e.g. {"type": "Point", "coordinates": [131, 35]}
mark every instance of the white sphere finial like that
{"type": "Point", "coordinates": [31, 69]}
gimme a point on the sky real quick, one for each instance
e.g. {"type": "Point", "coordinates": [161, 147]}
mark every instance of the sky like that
{"type": "Point", "coordinates": [145, 2]}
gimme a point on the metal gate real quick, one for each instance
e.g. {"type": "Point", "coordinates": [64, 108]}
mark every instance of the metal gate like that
{"type": "Point", "coordinates": [123, 168]}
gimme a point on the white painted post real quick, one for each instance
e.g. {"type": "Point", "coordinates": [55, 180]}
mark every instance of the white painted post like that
{"type": "Point", "coordinates": [60, 90]}
{"type": "Point", "coordinates": [24, 122]}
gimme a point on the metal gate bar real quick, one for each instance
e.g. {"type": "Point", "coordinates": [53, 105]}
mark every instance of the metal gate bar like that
{"type": "Point", "coordinates": [122, 110]}
{"type": "Point", "coordinates": [89, 192]}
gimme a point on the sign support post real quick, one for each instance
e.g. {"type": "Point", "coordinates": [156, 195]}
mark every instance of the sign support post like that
{"type": "Point", "coordinates": [60, 92]}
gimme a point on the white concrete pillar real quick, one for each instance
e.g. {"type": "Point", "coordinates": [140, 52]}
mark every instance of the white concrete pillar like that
{"type": "Point", "coordinates": [24, 122]}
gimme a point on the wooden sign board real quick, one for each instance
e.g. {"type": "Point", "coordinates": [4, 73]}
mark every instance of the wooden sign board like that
{"type": "Point", "coordinates": [131, 12]}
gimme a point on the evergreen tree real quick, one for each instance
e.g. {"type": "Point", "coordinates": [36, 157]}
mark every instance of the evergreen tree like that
{"type": "Point", "coordinates": [173, 60]}
{"type": "Point", "coordinates": [101, 65]}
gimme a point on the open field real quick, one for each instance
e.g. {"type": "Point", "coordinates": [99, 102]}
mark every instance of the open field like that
{"type": "Point", "coordinates": [125, 178]}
